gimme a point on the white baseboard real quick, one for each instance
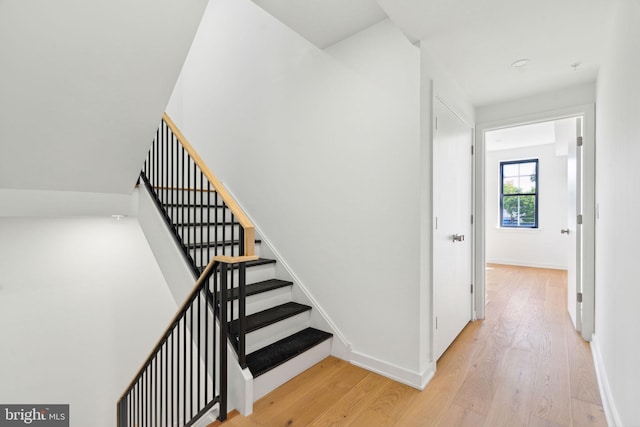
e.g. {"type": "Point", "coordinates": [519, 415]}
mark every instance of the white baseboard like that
{"type": "Point", "coordinates": [396, 373]}
{"type": "Point", "coordinates": [526, 264]}
{"type": "Point", "coordinates": [608, 404]}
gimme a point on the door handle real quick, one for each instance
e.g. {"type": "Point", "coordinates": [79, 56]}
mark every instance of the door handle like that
{"type": "Point", "coordinates": [458, 237]}
{"type": "Point", "coordinates": [564, 231]}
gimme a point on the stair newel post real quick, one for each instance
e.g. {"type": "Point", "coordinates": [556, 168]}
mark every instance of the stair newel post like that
{"type": "Point", "coordinates": [224, 330]}
{"type": "Point", "coordinates": [242, 315]}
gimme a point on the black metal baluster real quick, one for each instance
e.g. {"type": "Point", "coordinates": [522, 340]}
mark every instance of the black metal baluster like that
{"type": "Point", "coordinates": [206, 339]}
{"type": "Point", "coordinates": [216, 223]}
{"type": "Point", "coordinates": [166, 167]}
{"type": "Point", "coordinates": [159, 396]}
{"type": "Point", "coordinates": [202, 261]}
{"type": "Point", "coordinates": [191, 361]}
{"type": "Point", "coordinates": [139, 404]}
{"type": "Point", "coordinates": [154, 401]}
{"type": "Point", "coordinates": [184, 369]}
{"type": "Point", "coordinates": [146, 397]}
{"type": "Point", "coordinates": [223, 348]}
{"type": "Point", "coordinates": [166, 383]}
{"type": "Point", "coordinates": [173, 382]}
{"type": "Point", "coordinates": [199, 317]}
{"type": "Point", "coordinates": [189, 197]}
{"type": "Point", "coordinates": [242, 318]}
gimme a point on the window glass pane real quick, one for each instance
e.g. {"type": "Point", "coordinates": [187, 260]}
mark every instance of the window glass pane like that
{"type": "Point", "coordinates": [509, 185]}
{"type": "Point", "coordinates": [527, 184]}
{"type": "Point", "coordinates": [528, 168]}
{"type": "Point", "coordinates": [510, 170]}
{"type": "Point", "coordinates": [519, 211]}
{"type": "Point", "coordinates": [527, 211]}
{"type": "Point", "coordinates": [509, 211]}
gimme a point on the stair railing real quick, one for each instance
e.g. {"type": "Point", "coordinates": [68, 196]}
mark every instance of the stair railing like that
{"type": "Point", "coordinates": [186, 373]}
{"type": "Point", "coordinates": [185, 191]}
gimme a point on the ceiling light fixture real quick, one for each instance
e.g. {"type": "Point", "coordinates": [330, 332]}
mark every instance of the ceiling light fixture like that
{"type": "Point", "coordinates": [118, 217]}
{"type": "Point", "coordinates": [520, 63]}
{"type": "Point", "coordinates": [575, 66]}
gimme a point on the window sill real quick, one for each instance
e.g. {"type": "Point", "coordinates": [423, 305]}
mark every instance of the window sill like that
{"type": "Point", "coordinates": [518, 230]}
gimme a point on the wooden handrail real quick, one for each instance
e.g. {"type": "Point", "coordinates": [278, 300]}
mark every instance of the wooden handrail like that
{"type": "Point", "coordinates": [196, 288]}
{"type": "Point", "coordinates": [238, 213]}
{"type": "Point", "coordinates": [225, 259]}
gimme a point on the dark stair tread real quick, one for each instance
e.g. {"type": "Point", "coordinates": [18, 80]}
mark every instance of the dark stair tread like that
{"type": "Point", "coordinates": [274, 355]}
{"type": "Point", "coordinates": [259, 287]}
{"type": "Point", "coordinates": [216, 244]}
{"type": "Point", "coordinates": [269, 316]}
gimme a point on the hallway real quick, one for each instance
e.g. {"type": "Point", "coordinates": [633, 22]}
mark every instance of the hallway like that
{"type": "Point", "coordinates": [524, 365]}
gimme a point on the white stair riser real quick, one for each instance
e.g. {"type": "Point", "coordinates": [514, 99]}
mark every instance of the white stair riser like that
{"type": "Point", "coordinates": [279, 330]}
{"type": "Point", "coordinates": [256, 274]}
{"type": "Point", "coordinates": [264, 300]}
{"type": "Point", "coordinates": [269, 381]}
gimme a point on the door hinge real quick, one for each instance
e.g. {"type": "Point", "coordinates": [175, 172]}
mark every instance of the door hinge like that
{"type": "Point", "coordinates": [436, 122]}
{"type": "Point", "coordinates": [579, 141]}
{"type": "Point", "coordinates": [471, 219]}
{"type": "Point", "coordinates": [579, 220]}
{"type": "Point", "coordinates": [579, 297]}
{"type": "Point", "coordinates": [472, 288]}
{"type": "Point", "coordinates": [436, 322]}
{"type": "Point", "coordinates": [472, 150]}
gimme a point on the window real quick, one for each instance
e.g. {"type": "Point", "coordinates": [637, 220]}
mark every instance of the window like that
{"type": "Point", "coordinates": [519, 194]}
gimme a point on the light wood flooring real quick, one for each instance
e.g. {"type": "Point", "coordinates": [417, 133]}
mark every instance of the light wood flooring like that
{"type": "Point", "coordinates": [523, 365]}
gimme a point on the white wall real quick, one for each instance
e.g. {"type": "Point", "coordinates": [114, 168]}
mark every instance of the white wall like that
{"type": "Point", "coordinates": [82, 302]}
{"type": "Point", "coordinates": [83, 88]}
{"type": "Point", "coordinates": [617, 268]}
{"type": "Point", "coordinates": [323, 149]}
{"type": "Point", "coordinates": [541, 103]}
{"type": "Point", "coordinates": [543, 247]}
{"type": "Point", "coordinates": [43, 203]}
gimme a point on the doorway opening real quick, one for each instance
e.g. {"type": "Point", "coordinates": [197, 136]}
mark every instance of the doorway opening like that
{"type": "Point", "coordinates": [535, 185]}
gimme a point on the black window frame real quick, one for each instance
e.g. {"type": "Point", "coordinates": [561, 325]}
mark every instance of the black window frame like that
{"type": "Point", "coordinates": [535, 194]}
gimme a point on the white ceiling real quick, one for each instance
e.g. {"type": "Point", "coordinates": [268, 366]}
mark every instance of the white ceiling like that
{"type": "Point", "coordinates": [476, 41]}
{"type": "Point", "coordinates": [325, 22]}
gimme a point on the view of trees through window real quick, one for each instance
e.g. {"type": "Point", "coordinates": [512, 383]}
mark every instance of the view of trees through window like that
{"type": "Point", "coordinates": [519, 194]}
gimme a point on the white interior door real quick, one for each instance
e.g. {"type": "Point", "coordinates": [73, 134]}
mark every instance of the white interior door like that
{"type": "Point", "coordinates": [452, 187]}
{"type": "Point", "coordinates": [574, 229]}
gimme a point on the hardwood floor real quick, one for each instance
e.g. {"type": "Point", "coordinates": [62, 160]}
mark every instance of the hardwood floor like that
{"type": "Point", "coordinates": [523, 365]}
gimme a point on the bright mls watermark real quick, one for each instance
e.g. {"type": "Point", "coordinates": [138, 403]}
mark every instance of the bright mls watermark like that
{"type": "Point", "coordinates": [34, 415]}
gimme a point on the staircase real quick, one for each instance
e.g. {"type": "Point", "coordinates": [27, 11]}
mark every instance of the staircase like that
{"type": "Point", "coordinates": [280, 342]}
{"type": "Point", "coordinates": [239, 297]}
